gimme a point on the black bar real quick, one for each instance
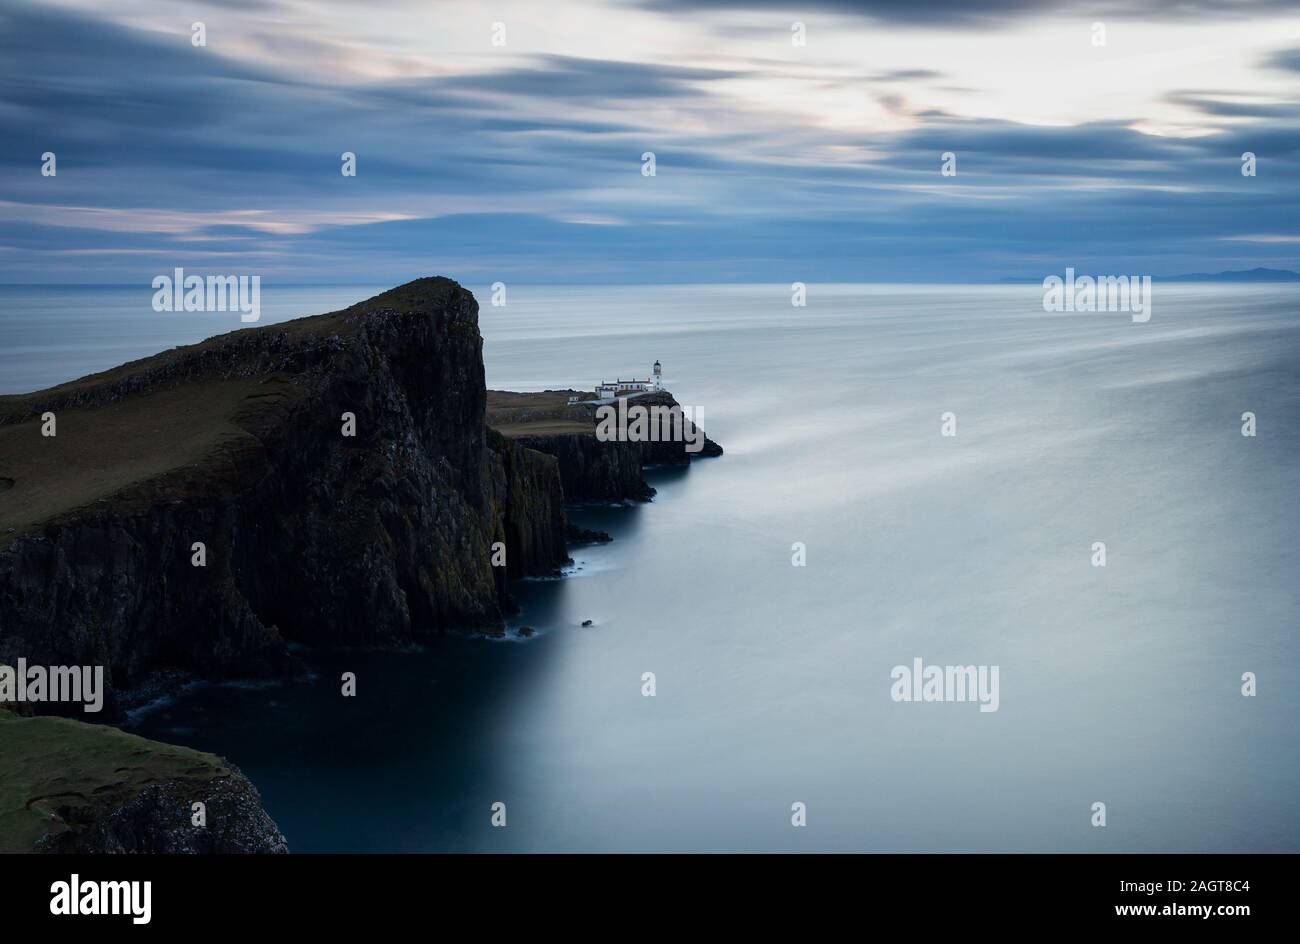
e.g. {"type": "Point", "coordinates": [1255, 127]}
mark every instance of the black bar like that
{"type": "Point", "coordinates": [337, 893]}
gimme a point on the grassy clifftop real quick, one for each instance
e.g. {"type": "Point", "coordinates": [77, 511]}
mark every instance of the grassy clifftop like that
{"type": "Point", "coordinates": [539, 414]}
{"type": "Point", "coordinates": [133, 444]}
{"type": "Point", "coordinates": [81, 787]}
{"type": "Point", "coordinates": [141, 432]}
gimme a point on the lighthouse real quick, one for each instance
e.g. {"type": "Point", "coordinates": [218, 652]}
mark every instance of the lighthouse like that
{"type": "Point", "coordinates": [608, 389]}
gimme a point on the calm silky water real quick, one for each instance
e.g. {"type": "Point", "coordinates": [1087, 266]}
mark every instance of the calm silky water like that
{"type": "Point", "coordinates": [1119, 684]}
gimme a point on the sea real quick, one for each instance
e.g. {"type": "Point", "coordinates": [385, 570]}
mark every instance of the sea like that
{"type": "Point", "coordinates": [943, 473]}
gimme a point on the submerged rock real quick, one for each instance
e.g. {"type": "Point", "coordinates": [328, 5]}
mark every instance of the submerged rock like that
{"type": "Point", "coordinates": [575, 535]}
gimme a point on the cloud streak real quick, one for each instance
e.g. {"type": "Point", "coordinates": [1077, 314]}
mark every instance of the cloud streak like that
{"type": "Point", "coordinates": [526, 165]}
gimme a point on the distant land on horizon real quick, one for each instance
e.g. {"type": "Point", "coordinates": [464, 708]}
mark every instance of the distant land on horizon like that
{"type": "Point", "coordinates": [1258, 274]}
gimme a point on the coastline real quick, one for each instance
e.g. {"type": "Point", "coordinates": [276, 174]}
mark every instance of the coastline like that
{"type": "Point", "coordinates": [309, 540]}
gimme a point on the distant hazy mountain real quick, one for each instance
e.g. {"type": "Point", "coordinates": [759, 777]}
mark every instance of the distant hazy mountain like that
{"type": "Point", "coordinates": [1242, 275]}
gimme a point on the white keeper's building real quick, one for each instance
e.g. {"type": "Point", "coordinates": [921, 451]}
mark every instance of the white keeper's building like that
{"type": "Point", "coordinates": [621, 388]}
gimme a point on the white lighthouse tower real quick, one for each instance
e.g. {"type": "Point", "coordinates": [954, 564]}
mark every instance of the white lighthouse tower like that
{"type": "Point", "coordinates": [609, 389]}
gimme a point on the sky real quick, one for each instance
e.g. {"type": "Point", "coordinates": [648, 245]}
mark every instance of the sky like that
{"type": "Point", "coordinates": [505, 140]}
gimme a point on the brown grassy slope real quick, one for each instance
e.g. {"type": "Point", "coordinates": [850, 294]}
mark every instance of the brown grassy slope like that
{"type": "Point", "coordinates": [538, 414]}
{"type": "Point", "coordinates": [140, 423]}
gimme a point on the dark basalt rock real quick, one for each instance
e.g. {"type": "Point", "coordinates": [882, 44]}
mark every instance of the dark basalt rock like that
{"type": "Point", "coordinates": [595, 471]}
{"type": "Point", "coordinates": [310, 536]}
{"type": "Point", "coordinates": [158, 820]}
{"type": "Point", "coordinates": [592, 470]}
{"type": "Point", "coordinates": [67, 786]}
{"type": "Point", "coordinates": [575, 535]}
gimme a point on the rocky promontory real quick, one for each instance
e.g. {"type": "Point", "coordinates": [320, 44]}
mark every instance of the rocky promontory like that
{"type": "Point", "coordinates": [66, 786]}
{"type": "Point", "coordinates": [328, 480]}
{"type": "Point", "coordinates": [332, 480]}
{"type": "Point", "coordinates": [563, 424]}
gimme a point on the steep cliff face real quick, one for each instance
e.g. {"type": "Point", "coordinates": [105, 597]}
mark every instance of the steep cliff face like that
{"type": "Point", "coordinates": [595, 471]}
{"type": "Point", "coordinates": [326, 480]}
{"type": "Point", "coordinates": [309, 534]}
{"type": "Point", "coordinates": [592, 469]}
{"type": "Point", "coordinates": [528, 508]}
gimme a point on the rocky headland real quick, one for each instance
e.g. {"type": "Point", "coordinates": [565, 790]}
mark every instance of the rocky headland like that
{"type": "Point", "coordinates": [67, 786]}
{"type": "Point", "coordinates": [590, 469]}
{"type": "Point", "coordinates": [332, 480]}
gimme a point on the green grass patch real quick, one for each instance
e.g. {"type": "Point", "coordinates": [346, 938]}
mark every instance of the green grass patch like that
{"type": "Point", "coordinates": [48, 764]}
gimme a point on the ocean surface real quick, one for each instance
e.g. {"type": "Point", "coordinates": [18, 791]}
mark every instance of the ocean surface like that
{"type": "Point", "coordinates": [1119, 685]}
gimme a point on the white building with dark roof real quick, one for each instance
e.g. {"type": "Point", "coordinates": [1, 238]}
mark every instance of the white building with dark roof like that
{"type": "Point", "coordinates": [608, 389]}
